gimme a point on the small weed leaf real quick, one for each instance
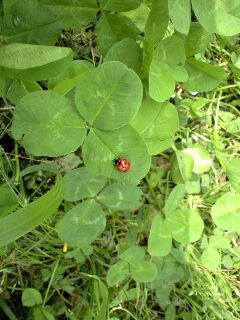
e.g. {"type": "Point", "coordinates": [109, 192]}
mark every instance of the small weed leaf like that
{"type": "Point", "coordinates": [160, 238]}
{"type": "Point", "coordinates": [31, 297]}
{"type": "Point", "coordinates": [203, 76]}
{"type": "Point", "coordinates": [186, 225]}
{"type": "Point", "coordinates": [211, 258]}
{"type": "Point", "coordinates": [80, 184]}
{"type": "Point", "coordinates": [102, 147]}
{"type": "Point", "coordinates": [221, 17]}
{"type": "Point", "coordinates": [32, 62]}
{"type": "Point", "coordinates": [82, 224]}
{"type": "Point", "coordinates": [233, 173]}
{"type": "Point", "coordinates": [48, 124]}
{"type": "Point", "coordinates": [119, 5]}
{"type": "Point", "coordinates": [201, 159]}
{"type": "Point", "coordinates": [226, 212]}
{"type": "Point", "coordinates": [113, 28]}
{"type": "Point", "coordinates": [25, 26]}
{"type": "Point", "coordinates": [72, 14]}
{"type": "Point", "coordinates": [175, 198]}
{"type": "Point", "coordinates": [120, 196]}
{"type": "Point", "coordinates": [117, 273]}
{"type": "Point", "coordinates": [128, 52]}
{"type": "Point", "coordinates": [182, 167]}
{"type": "Point", "coordinates": [180, 14]}
{"type": "Point", "coordinates": [133, 254]}
{"type": "Point", "coordinates": [110, 96]}
{"type": "Point", "coordinates": [143, 271]}
{"type": "Point", "coordinates": [8, 200]}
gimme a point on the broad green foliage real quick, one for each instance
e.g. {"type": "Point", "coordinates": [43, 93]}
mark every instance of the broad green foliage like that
{"type": "Point", "coordinates": [109, 97]}
{"type": "Point", "coordinates": [119, 5]}
{"type": "Point", "coordinates": [100, 148]}
{"type": "Point", "coordinates": [56, 132]}
{"type": "Point", "coordinates": [36, 25]}
{"type": "Point", "coordinates": [226, 211]}
{"type": "Point", "coordinates": [203, 76]}
{"type": "Point", "coordinates": [8, 200]}
{"type": "Point", "coordinates": [157, 21]}
{"type": "Point", "coordinates": [233, 173]}
{"type": "Point", "coordinates": [211, 258]}
{"type": "Point", "coordinates": [196, 40]}
{"type": "Point", "coordinates": [32, 62]}
{"type": "Point", "coordinates": [80, 184]}
{"type": "Point", "coordinates": [112, 28]}
{"type": "Point", "coordinates": [128, 52]}
{"type": "Point", "coordinates": [166, 67]}
{"type": "Point", "coordinates": [68, 79]}
{"type": "Point", "coordinates": [82, 224]}
{"type": "Point", "coordinates": [29, 217]}
{"type": "Point", "coordinates": [143, 271]}
{"type": "Point", "coordinates": [180, 14]}
{"type": "Point", "coordinates": [118, 196]}
{"type": "Point", "coordinates": [222, 16]}
{"type": "Point", "coordinates": [73, 14]}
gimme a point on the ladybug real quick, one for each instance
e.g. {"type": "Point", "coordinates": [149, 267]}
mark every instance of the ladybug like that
{"type": "Point", "coordinates": [121, 164]}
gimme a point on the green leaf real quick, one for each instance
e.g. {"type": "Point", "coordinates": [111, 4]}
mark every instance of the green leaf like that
{"type": "Point", "coordinates": [175, 198]}
{"type": "Point", "coordinates": [8, 200]}
{"type": "Point", "coordinates": [139, 16]}
{"type": "Point", "coordinates": [160, 239]}
{"type": "Point", "coordinates": [119, 5]}
{"type": "Point", "coordinates": [182, 167]}
{"type": "Point", "coordinates": [80, 184]}
{"type": "Point", "coordinates": [40, 313]}
{"type": "Point", "coordinates": [110, 96]}
{"type": "Point", "coordinates": [233, 126]}
{"type": "Point", "coordinates": [157, 146]}
{"type": "Point", "coordinates": [117, 273]}
{"type": "Point", "coordinates": [29, 217]}
{"type": "Point", "coordinates": [119, 196]}
{"type": "Point", "coordinates": [219, 242]}
{"type": "Point", "coordinates": [143, 271]}
{"type": "Point", "coordinates": [157, 22]}
{"type": "Point", "coordinates": [226, 212]}
{"type": "Point", "coordinates": [203, 76]}
{"type": "Point", "coordinates": [73, 14]}
{"type": "Point", "coordinates": [82, 224]}
{"type": "Point", "coordinates": [166, 67]}
{"type": "Point", "coordinates": [197, 39]}
{"type": "Point", "coordinates": [201, 159]}
{"type": "Point", "coordinates": [48, 124]}
{"type": "Point", "coordinates": [30, 22]}
{"type": "Point", "coordinates": [222, 16]}
{"type": "Point", "coordinates": [112, 28]}
{"type": "Point", "coordinates": [180, 14]}
{"type": "Point", "coordinates": [32, 62]}
{"type": "Point", "coordinates": [102, 147]}
{"type": "Point", "coordinates": [31, 297]}
{"type": "Point", "coordinates": [211, 258]}
{"type": "Point", "coordinates": [170, 313]}
{"type": "Point", "coordinates": [156, 121]}
{"type": "Point", "coordinates": [132, 254]}
{"type": "Point", "coordinates": [2, 83]}
{"type": "Point", "coordinates": [126, 51]}
{"type": "Point", "coordinates": [186, 225]}
{"type": "Point", "coordinates": [233, 173]}
{"type": "Point", "coordinates": [68, 79]}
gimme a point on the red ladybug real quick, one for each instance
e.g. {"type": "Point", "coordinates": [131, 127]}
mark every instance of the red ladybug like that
{"type": "Point", "coordinates": [122, 164]}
